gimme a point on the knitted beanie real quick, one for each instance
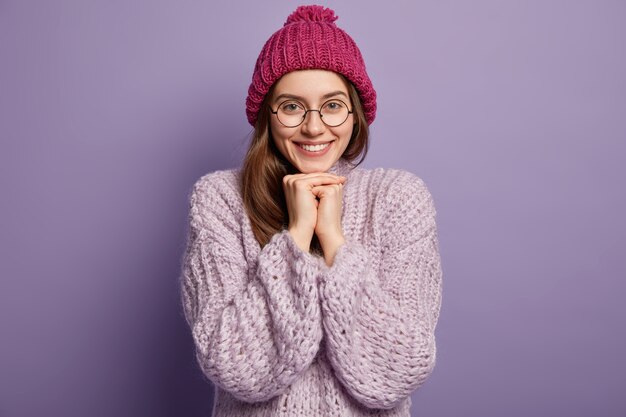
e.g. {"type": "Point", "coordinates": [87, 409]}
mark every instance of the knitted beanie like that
{"type": "Point", "coordinates": [309, 40]}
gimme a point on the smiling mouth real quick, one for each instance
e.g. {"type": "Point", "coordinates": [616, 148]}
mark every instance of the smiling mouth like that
{"type": "Point", "coordinates": [314, 148]}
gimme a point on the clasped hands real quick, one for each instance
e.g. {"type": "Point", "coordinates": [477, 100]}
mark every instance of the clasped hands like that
{"type": "Point", "coordinates": [314, 202]}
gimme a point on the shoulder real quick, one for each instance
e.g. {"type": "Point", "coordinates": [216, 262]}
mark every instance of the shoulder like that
{"type": "Point", "coordinates": [403, 207]}
{"type": "Point", "coordinates": [216, 196]}
{"type": "Point", "coordinates": [216, 185]}
{"type": "Point", "coordinates": [392, 186]}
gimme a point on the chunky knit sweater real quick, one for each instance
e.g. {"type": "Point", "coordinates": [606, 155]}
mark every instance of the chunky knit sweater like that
{"type": "Point", "coordinates": [280, 333]}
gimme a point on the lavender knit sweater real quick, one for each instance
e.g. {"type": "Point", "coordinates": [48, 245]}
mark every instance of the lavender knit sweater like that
{"type": "Point", "coordinates": [281, 334]}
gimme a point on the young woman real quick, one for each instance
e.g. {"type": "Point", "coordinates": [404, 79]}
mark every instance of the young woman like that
{"type": "Point", "coordinates": [312, 286]}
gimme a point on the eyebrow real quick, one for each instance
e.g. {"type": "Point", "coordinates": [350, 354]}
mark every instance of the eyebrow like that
{"type": "Point", "coordinates": [324, 97]}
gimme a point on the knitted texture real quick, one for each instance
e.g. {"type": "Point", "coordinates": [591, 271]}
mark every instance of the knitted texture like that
{"type": "Point", "coordinates": [309, 40]}
{"type": "Point", "coordinates": [280, 333]}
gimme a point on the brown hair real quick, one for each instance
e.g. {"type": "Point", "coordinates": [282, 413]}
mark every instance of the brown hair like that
{"type": "Point", "coordinates": [264, 168]}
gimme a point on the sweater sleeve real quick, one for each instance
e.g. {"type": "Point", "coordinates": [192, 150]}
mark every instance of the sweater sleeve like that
{"type": "Point", "coordinates": [379, 321]}
{"type": "Point", "coordinates": [255, 327]}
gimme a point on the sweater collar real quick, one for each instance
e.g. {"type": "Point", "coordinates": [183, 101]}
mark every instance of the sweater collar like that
{"type": "Point", "coordinates": [341, 167]}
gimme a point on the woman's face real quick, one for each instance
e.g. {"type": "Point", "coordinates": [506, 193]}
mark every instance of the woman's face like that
{"type": "Point", "coordinates": [312, 146]}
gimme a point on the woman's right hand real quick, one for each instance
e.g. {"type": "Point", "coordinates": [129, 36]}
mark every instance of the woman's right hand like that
{"type": "Point", "coordinates": [302, 203]}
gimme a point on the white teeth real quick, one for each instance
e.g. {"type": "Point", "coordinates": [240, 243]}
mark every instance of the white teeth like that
{"type": "Point", "coordinates": [314, 148]}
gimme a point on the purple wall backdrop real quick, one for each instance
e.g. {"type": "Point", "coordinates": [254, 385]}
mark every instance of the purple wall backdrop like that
{"type": "Point", "coordinates": [511, 111]}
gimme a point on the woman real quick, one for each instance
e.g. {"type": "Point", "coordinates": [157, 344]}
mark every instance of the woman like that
{"type": "Point", "coordinates": [312, 287]}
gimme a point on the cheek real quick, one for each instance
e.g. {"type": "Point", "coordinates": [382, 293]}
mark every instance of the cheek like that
{"type": "Point", "coordinates": [346, 132]}
{"type": "Point", "coordinates": [279, 137]}
{"type": "Point", "coordinates": [349, 126]}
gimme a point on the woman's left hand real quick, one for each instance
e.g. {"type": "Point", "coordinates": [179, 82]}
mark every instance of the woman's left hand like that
{"type": "Point", "coordinates": [328, 227]}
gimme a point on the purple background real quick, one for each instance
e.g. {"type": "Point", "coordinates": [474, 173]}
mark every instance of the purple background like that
{"type": "Point", "coordinates": [513, 112]}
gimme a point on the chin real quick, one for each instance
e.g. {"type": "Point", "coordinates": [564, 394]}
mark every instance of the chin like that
{"type": "Point", "coordinates": [308, 168]}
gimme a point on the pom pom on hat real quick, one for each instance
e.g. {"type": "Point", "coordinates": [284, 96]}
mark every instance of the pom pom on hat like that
{"type": "Point", "coordinates": [312, 14]}
{"type": "Point", "coordinates": [309, 39]}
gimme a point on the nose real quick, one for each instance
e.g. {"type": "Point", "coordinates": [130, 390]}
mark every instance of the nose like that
{"type": "Point", "coordinates": [313, 124]}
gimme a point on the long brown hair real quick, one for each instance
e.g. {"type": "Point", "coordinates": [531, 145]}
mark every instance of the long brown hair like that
{"type": "Point", "coordinates": [264, 168]}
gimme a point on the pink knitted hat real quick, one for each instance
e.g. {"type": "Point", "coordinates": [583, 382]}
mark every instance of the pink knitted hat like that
{"type": "Point", "coordinates": [309, 39]}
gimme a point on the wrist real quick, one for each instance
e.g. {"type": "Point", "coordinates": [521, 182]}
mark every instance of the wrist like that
{"type": "Point", "coordinates": [302, 239]}
{"type": "Point", "coordinates": [330, 237]}
{"type": "Point", "coordinates": [330, 246]}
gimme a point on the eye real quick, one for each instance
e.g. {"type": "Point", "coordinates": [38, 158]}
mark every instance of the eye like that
{"type": "Point", "coordinates": [333, 106]}
{"type": "Point", "coordinates": [291, 107]}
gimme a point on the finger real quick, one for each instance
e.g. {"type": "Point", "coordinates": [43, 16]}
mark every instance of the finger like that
{"type": "Point", "coordinates": [293, 177]}
{"type": "Point", "coordinates": [313, 181]}
{"type": "Point", "coordinates": [324, 190]}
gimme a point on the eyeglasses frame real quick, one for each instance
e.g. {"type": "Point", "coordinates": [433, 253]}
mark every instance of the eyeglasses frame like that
{"type": "Point", "coordinates": [306, 111]}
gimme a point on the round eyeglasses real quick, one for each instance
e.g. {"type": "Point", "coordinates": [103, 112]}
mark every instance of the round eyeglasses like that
{"type": "Point", "coordinates": [291, 113]}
